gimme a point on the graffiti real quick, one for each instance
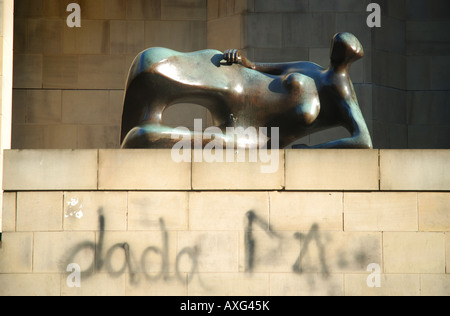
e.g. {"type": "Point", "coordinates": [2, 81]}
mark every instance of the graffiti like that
{"type": "Point", "coordinates": [250, 242]}
{"type": "Point", "coordinates": [305, 241]}
{"type": "Point", "coordinates": [135, 268]}
{"type": "Point", "coordinates": [309, 256]}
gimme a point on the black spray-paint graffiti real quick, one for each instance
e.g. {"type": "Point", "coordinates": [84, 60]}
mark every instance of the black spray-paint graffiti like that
{"type": "Point", "coordinates": [313, 235]}
{"type": "Point", "coordinates": [136, 269]}
{"type": "Point", "coordinates": [130, 263]}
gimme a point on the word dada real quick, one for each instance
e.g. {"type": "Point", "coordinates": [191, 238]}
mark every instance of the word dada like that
{"type": "Point", "coordinates": [74, 18]}
{"type": "Point", "coordinates": [374, 19]}
{"type": "Point", "coordinates": [252, 139]}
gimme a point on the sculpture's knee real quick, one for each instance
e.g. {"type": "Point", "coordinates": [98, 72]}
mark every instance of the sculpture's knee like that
{"type": "Point", "coordinates": [304, 93]}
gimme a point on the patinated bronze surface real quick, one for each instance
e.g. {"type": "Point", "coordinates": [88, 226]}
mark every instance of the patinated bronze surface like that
{"type": "Point", "coordinates": [300, 98]}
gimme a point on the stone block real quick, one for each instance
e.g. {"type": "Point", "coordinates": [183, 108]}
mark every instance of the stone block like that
{"type": "Point", "coordinates": [337, 6]}
{"type": "Point", "coordinates": [75, 103]}
{"type": "Point", "coordinates": [115, 9]}
{"type": "Point", "coordinates": [405, 252]}
{"type": "Point", "coordinates": [216, 252]}
{"type": "Point", "coordinates": [91, 38]}
{"type": "Point", "coordinates": [139, 254]}
{"type": "Point", "coordinates": [415, 170]}
{"type": "Point", "coordinates": [28, 71]}
{"type": "Point", "coordinates": [50, 170]}
{"type": "Point", "coordinates": [440, 69]}
{"type": "Point", "coordinates": [380, 212]}
{"type": "Point", "coordinates": [391, 285]}
{"type": "Point", "coordinates": [396, 77]}
{"type": "Point", "coordinates": [20, 35]}
{"type": "Point", "coordinates": [142, 170]}
{"type": "Point", "coordinates": [332, 169]}
{"type": "Point", "coordinates": [184, 36]}
{"type": "Point", "coordinates": [147, 209]}
{"type": "Point", "coordinates": [101, 72]}
{"type": "Point", "coordinates": [283, 284]}
{"type": "Point", "coordinates": [20, 106]}
{"type": "Point", "coordinates": [279, 54]}
{"type": "Point", "coordinates": [447, 251]}
{"type": "Point", "coordinates": [39, 211]}
{"type": "Point", "coordinates": [183, 10]}
{"type": "Point", "coordinates": [229, 284]}
{"type": "Point", "coordinates": [59, 71]}
{"type": "Point", "coordinates": [435, 284]}
{"type": "Point", "coordinates": [219, 211]}
{"type": "Point", "coordinates": [43, 106]}
{"type": "Point", "coordinates": [82, 211]}
{"type": "Point", "coordinates": [267, 251]}
{"type": "Point", "coordinates": [387, 38]}
{"type": "Point", "coordinates": [53, 8]}
{"type": "Point", "coordinates": [45, 36]}
{"type": "Point", "coordinates": [419, 73]}
{"type": "Point", "coordinates": [30, 284]}
{"type": "Point", "coordinates": [173, 285]}
{"type": "Point", "coordinates": [98, 136]}
{"type": "Point", "coordinates": [54, 251]}
{"type": "Point", "coordinates": [127, 37]}
{"type": "Point", "coordinates": [29, 9]}
{"type": "Point", "coordinates": [328, 252]}
{"type": "Point", "coordinates": [212, 9]}
{"type": "Point", "coordinates": [234, 25]}
{"type": "Point", "coordinates": [44, 136]}
{"type": "Point", "coordinates": [429, 136]}
{"type": "Point", "coordinates": [116, 105]}
{"type": "Point", "coordinates": [265, 30]}
{"type": "Point", "coordinates": [9, 212]}
{"type": "Point", "coordinates": [100, 284]}
{"type": "Point", "coordinates": [281, 6]}
{"type": "Point", "coordinates": [143, 9]}
{"type": "Point", "coordinates": [231, 174]}
{"type": "Point", "coordinates": [390, 105]}
{"type": "Point", "coordinates": [321, 28]}
{"type": "Point", "coordinates": [16, 253]}
{"type": "Point", "coordinates": [434, 212]}
{"type": "Point", "coordinates": [297, 211]}
{"type": "Point", "coordinates": [437, 109]}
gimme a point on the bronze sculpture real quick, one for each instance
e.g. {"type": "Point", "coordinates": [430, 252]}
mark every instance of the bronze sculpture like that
{"type": "Point", "coordinates": [300, 98]}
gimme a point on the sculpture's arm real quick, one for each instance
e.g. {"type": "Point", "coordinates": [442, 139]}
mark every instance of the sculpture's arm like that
{"type": "Point", "coordinates": [234, 56]}
{"type": "Point", "coordinates": [353, 121]}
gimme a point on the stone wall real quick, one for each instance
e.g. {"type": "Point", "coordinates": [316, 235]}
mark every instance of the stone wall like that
{"type": "Point", "coordinates": [137, 223]}
{"type": "Point", "coordinates": [6, 75]}
{"type": "Point", "coordinates": [68, 83]}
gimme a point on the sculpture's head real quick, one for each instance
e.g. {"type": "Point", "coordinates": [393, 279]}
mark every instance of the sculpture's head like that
{"type": "Point", "coordinates": [345, 49]}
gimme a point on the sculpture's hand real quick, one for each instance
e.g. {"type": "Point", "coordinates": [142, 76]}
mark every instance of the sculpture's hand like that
{"type": "Point", "coordinates": [233, 56]}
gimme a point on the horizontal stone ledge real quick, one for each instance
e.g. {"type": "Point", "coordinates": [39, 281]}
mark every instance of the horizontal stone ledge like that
{"type": "Point", "coordinates": [415, 170]}
{"type": "Point", "coordinates": [332, 169]}
{"type": "Point", "coordinates": [285, 170]}
{"type": "Point", "coordinates": [50, 170]}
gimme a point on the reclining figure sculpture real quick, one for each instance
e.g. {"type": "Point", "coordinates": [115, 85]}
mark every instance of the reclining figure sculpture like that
{"type": "Point", "coordinates": [300, 98]}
